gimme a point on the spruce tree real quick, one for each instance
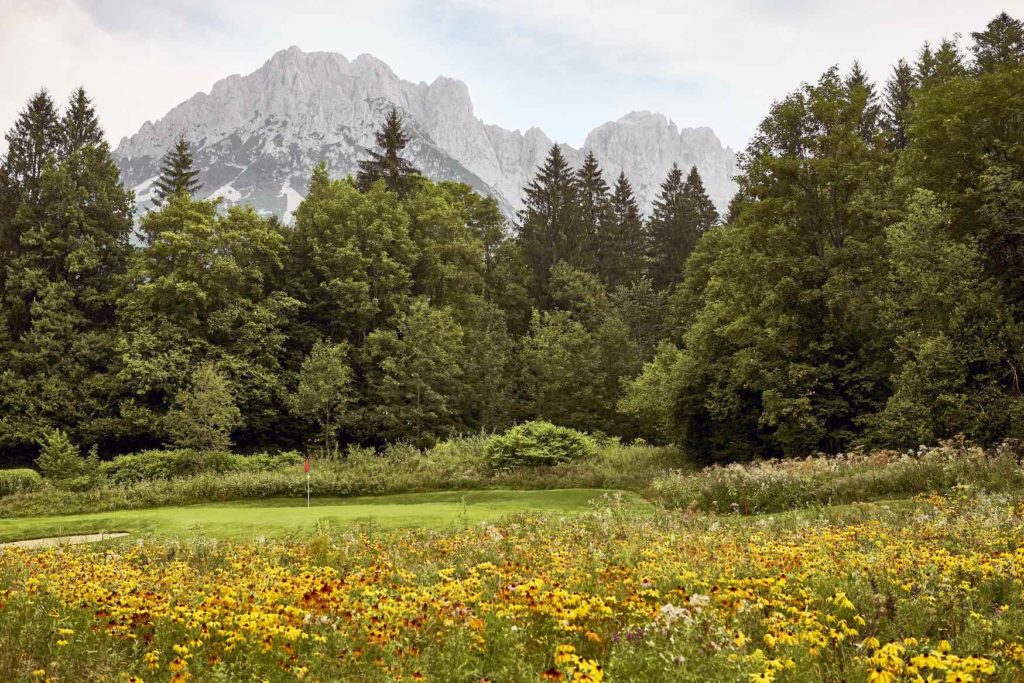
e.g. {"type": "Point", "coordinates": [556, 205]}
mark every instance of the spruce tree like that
{"type": "Point", "coordinates": [941, 65]}
{"type": "Point", "coordinates": [31, 144]}
{"type": "Point", "coordinates": [899, 91]}
{"type": "Point", "coordinates": [1000, 44]}
{"type": "Point", "coordinates": [859, 85]}
{"type": "Point", "coordinates": [548, 221]}
{"type": "Point", "coordinates": [178, 175]}
{"type": "Point", "coordinates": [624, 259]}
{"type": "Point", "coordinates": [701, 204]}
{"type": "Point", "coordinates": [682, 213]}
{"type": "Point", "coordinates": [672, 231]}
{"type": "Point", "coordinates": [398, 173]}
{"type": "Point", "coordinates": [79, 125]}
{"type": "Point", "coordinates": [593, 214]}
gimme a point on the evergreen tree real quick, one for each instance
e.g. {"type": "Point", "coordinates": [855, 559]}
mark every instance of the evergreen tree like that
{"type": "Point", "coordinates": [697, 197]}
{"type": "Point", "coordinates": [593, 215]}
{"type": "Point", "coordinates": [623, 260]}
{"type": "Point", "coordinates": [1000, 44]}
{"type": "Point", "coordinates": [548, 222]}
{"type": "Point", "coordinates": [732, 212]}
{"type": "Point", "coordinates": [682, 213]}
{"type": "Point", "coordinates": [32, 143]}
{"type": "Point", "coordinates": [934, 67]}
{"type": "Point", "coordinates": [177, 174]}
{"type": "Point", "coordinates": [398, 174]}
{"type": "Point", "coordinates": [79, 126]}
{"type": "Point", "coordinates": [899, 92]}
{"type": "Point", "coordinates": [860, 86]}
{"type": "Point", "coordinates": [205, 413]}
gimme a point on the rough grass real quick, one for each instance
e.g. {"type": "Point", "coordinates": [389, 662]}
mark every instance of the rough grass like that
{"type": "Point", "coordinates": [774, 485]}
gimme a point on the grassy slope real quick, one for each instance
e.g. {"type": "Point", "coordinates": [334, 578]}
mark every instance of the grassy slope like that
{"type": "Point", "coordinates": [281, 517]}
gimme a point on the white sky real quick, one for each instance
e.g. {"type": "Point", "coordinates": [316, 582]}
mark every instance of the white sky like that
{"type": "Point", "coordinates": [563, 65]}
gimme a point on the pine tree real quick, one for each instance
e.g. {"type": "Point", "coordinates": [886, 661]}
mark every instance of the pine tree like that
{"type": "Point", "coordinates": [79, 125]}
{"type": "Point", "coordinates": [702, 206]}
{"type": "Point", "coordinates": [859, 85]}
{"type": "Point", "coordinates": [1000, 44]}
{"type": "Point", "coordinates": [178, 174]}
{"type": "Point", "coordinates": [548, 221]}
{"type": "Point", "coordinates": [924, 68]}
{"type": "Point", "coordinates": [899, 91]}
{"type": "Point", "coordinates": [624, 259]}
{"type": "Point", "coordinates": [593, 214]}
{"type": "Point", "coordinates": [31, 144]}
{"type": "Point", "coordinates": [672, 231]}
{"type": "Point", "coordinates": [732, 212]}
{"type": "Point", "coordinates": [398, 173]}
{"type": "Point", "coordinates": [948, 63]}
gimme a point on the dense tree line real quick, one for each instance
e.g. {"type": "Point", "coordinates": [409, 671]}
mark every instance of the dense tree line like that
{"type": "Point", "coordinates": [868, 285]}
{"type": "Point", "coordinates": [865, 286]}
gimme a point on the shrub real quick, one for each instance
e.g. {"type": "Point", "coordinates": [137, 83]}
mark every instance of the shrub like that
{"type": "Point", "coordinates": [59, 458]}
{"type": "Point", "coordinates": [538, 443]}
{"type": "Point", "coordinates": [16, 481]}
{"type": "Point", "coordinates": [185, 462]}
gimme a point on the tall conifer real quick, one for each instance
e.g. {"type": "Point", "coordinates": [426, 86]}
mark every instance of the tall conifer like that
{"type": "Point", "coordinates": [670, 243]}
{"type": "Point", "coordinates": [624, 260]}
{"type": "Point", "coordinates": [899, 91]}
{"type": "Point", "coordinates": [547, 221]}
{"type": "Point", "coordinates": [388, 165]}
{"type": "Point", "coordinates": [178, 174]}
{"type": "Point", "coordinates": [590, 246]}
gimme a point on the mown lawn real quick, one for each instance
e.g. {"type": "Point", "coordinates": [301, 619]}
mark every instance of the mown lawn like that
{"type": "Point", "coordinates": [287, 517]}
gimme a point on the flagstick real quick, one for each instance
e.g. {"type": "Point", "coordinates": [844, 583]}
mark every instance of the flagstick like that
{"type": "Point", "coordinates": [307, 489]}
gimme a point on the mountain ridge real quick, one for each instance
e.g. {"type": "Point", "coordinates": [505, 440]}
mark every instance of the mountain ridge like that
{"type": "Point", "coordinates": [256, 138]}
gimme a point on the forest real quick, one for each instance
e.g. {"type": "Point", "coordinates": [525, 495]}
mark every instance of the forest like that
{"type": "Point", "coordinates": [865, 287]}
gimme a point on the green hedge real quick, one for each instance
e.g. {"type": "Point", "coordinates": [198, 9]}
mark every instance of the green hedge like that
{"type": "Point", "coordinates": [15, 481]}
{"type": "Point", "coordinates": [173, 464]}
{"type": "Point", "coordinates": [538, 443]}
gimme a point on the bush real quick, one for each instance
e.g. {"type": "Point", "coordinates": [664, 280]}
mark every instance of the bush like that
{"type": "Point", "coordinates": [538, 443]}
{"type": "Point", "coordinates": [16, 481]}
{"type": "Point", "coordinates": [185, 462]}
{"type": "Point", "coordinates": [61, 459]}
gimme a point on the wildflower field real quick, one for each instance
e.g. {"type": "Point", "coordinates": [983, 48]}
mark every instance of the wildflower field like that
{"type": "Point", "coordinates": [929, 590]}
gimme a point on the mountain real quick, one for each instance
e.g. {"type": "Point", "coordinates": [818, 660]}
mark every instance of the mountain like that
{"type": "Point", "coordinates": [256, 138]}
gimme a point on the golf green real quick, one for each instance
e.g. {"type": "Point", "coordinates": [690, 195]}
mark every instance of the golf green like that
{"type": "Point", "coordinates": [283, 517]}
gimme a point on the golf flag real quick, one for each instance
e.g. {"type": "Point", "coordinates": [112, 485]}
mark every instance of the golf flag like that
{"type": "Point", "coordinates": [305, 465]}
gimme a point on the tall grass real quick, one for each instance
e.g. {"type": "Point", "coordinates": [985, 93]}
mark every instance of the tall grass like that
{"type": "Point", "coordinates": [774, 485]}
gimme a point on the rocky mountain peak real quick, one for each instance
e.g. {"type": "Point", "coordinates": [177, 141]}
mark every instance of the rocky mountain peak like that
{"type": "Point", "coordinates": [256, 138]}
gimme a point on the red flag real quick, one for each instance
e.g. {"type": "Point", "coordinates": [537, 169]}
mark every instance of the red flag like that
{"type": "Point", "coordinates": [305, 465]}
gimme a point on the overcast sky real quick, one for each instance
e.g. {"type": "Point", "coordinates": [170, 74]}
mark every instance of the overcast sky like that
{"type": "Point", "coordinates": [563, 65]}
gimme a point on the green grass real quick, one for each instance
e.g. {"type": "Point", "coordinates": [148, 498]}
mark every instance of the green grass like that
{"type": "Point", "coordinates": [279, 517]}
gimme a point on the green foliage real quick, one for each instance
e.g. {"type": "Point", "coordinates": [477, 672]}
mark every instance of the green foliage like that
{"type": "Point", "coordinates": [59, 458]}
{"type": "Point", "coordinates": [178, 176]}
{"type": "Point", "coordinates": [538, 443]}
{"type": "Point", "coordinates": [325, 390]}
{"type": "Point", "coordinates": [186, 462]}
{"type": "Point", "coordinates": [550, 226]}
{"type": "Point", "coordinates": [21, 480]}
{"type": "Point", "coordinates": [387, 165]}
{"type": "Point", "coordinates": [205, 413]}
{"type": "Point", "coordinates": [414, 375]}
